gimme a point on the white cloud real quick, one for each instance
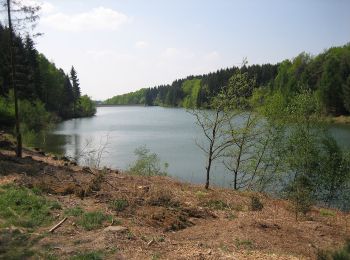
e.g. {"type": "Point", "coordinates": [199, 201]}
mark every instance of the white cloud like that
{"type": "Point", "coordinates": [141, 44]}
{"type": "Point", "coordinates": [100, 18]}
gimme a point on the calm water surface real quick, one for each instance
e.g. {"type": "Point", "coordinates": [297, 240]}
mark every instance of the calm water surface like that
{"type": "Point", "coordinates": [169, 132]}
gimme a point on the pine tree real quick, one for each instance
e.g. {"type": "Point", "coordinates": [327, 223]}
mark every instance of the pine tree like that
{"type": "Point", "coordinates": [68, 98]}
{"type": "Point", "coordinates": [76, 89]}
{"type": "Point", "coordinates": [30, 15]}
{"type": "Point", "coordinates": [346, 94]}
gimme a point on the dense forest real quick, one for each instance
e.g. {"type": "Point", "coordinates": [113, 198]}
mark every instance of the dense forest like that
{"type": "Point", "coordinates": [44, 90]}
{"type": "Point", "coordinates": [327, 74]}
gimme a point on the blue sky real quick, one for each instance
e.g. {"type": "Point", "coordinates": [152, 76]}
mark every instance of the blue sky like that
{"type": "Point", "coordinates": [123, 45]}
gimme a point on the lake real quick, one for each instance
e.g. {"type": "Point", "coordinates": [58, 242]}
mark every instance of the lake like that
{"type": "Point", "coordinates": [169, 132]}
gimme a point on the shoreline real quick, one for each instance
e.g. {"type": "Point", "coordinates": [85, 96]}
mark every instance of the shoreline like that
{"type": "Point", "coordinates": [163, 216]}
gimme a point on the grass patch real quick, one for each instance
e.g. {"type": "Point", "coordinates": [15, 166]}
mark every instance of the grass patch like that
{"type": "Point", "coordinates": [74, 212]}
{"type": "Point", "coordinates": [200, 194]}
{"type": "Point", "coordinates": [327, 213]}
{"type": "Point", "coordinates": [231, 216]}
{"type": "Point", "coordinates": [15, 245]}
{"type": "Point", "coordinates": [245, 243]}
{"type": "Point", "coordinates": [216, 204]}
{"type": "Point", "coordinates": [92, 255]}
{"type": "Point", "coordinates": [21, 207]}
{"type": "Point", "coordinates": [93, 220]}
{"type": "Point", "coordinates": [342, 254]}
{"type": "Point", "coordinates": [119, 205]}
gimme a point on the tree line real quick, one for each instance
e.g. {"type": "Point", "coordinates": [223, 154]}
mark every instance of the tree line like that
{"type": "Point", "coordinates": [274, 144]}
{"type": "Point", "coordinates": [326, 74]}
{"type": "Point", "coordinates": [39, 82]}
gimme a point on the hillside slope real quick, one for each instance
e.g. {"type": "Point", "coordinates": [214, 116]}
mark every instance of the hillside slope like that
{"type": "Point", "coordinates": [148, 217]}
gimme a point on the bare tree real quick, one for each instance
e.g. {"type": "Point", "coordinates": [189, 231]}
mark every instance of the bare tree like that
{"type": "Point", "coordinates": [24, 15]}
{"type": "Point", "coordinates": [212, 123]}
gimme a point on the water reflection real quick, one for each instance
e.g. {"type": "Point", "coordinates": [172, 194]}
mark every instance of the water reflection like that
{"type": "Point", "coordinates": [169, 132]}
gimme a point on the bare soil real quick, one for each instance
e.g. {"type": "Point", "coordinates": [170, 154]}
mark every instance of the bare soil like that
{"type": "Point", "coordinates": [167, 219]}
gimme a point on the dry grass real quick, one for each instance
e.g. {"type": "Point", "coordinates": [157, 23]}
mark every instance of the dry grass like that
{"type": "Point", "coordinates": [192, 223]}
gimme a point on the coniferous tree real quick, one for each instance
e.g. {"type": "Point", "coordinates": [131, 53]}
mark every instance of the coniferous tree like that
{"type": "Point", "coordinates": [76, 89]}
{"type": "Point", "coordinates": [30, 15]}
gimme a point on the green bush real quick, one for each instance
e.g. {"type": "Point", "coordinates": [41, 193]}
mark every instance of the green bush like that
{"type": "Point", "coordinates": [147, 163]}
{"type": "Point", "coordinates": [7, 112]}
{"type": "Point", "coordinates": [119, 204]}
{"type": "Point", "coordinates": [34, 115]}
{"type": "Point", "coordinates": [86, 106]}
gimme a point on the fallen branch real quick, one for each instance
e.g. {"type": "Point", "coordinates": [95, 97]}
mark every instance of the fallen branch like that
{"type": "Point", "coordinates": [58, 225]}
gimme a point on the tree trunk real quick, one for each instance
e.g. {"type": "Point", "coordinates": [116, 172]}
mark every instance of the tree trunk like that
{"type": "Point", "coordinates": [18, 132]}
{"type": "Point", "coordinates": [208, 175]}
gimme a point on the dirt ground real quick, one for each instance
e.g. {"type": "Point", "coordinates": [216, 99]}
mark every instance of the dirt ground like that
{"type": "Point", "coordinates": [167, 219]}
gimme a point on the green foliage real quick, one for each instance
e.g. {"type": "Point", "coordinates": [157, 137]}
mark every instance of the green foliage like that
{"type": "Point", "coordinates": [191, 90]}
{"type": "Point", "coordinates": [15, 245]}
{"type": "Point", "coordinates": [326, 74]}
{"type": "Point", "coordinates": [119, 205]}
{"type": "Point", "coordinates": [132, 98]}
{"type": "Point", "coordinates": [7, 112]}
{"type": "Point", "coordinates": [92, 220]}
{"type": "Point", "coordinates": [147, 163]}
{"type": "Point", "coordinates": [216, 204]}
{"type": "Point", "coordinates": [34, 115]}
{"type": "Point", "coordinates": [21, 207]}
{"type": "Point", "coordinates": [75, 212]}
{"type": "Point", "coordinates": [92, 255]}
{"type": "Point", "coordinates": [327, 213]}
{"type": "Point", "coordinates": [86, 107]}
{"type": "Point", "coordinates": [42, 87]}
{"type": "Point", "coordinates": [341, 254]}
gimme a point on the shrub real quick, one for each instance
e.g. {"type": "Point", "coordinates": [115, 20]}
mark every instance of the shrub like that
{"type": "Point", "coordinates": [216, 204]}
{"type": "Point", "coordinates": [92, 220]}
{"type": "Point", "coordinates": [147, 163]}
{"type": "Point", "coordinates": [162, 198]}
{"type": "Point", "coordinates": [327, 213]}
{"type": "Point", "coordinates": [119, 204]}
{"type": "Point", "coordinates": [256, 204]}
{"type": "Point", "coordinates": [75, 212]}
{"type": "Point", "coordinates": [342, 254]}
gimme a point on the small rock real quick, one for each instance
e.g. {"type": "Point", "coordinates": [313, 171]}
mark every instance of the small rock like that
{"type": "Point", "coordinates": [115, 229]}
